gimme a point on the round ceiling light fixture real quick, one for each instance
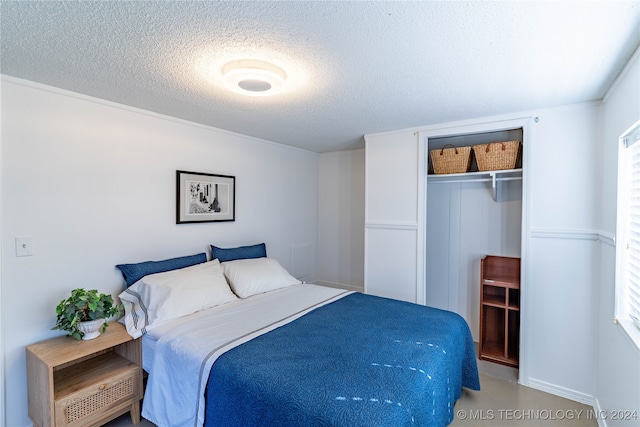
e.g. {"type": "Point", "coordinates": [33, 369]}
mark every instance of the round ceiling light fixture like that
{"type": "Point", "coordinates": [253, 77]}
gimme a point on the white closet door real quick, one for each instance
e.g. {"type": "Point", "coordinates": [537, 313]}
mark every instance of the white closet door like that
{"type": "Point", "coordinates": [391, 223]}
{"type": "Point", "coordinates": [391, 263]}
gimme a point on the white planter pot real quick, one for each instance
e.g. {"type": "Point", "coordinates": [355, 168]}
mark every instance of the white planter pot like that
{"type": "Point", "coordinates": [91, 329]}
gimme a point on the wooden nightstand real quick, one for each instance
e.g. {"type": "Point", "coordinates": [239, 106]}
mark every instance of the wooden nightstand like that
{"type": "Point", "coordinates": [85, 383]}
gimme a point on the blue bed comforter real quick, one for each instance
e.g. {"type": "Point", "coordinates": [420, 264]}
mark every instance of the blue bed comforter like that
{"type": "Point", "coordinates": [359, 361]}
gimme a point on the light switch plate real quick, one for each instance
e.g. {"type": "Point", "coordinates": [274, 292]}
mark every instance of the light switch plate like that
{"type": "Point", "coordinates": [24, 246]}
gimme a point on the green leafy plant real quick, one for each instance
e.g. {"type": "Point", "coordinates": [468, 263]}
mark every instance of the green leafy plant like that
{"type": "Point", "coordinates": [84, 306]}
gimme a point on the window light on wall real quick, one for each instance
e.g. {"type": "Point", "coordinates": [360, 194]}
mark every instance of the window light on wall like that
{"type": "Point", "coordinates": [627, 286]}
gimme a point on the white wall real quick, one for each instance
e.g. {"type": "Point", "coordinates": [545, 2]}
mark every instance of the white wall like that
{"type": "Point", "coordinates": [561, 263]}
{"type": "Point", "coordinates": [94, 184]}
{"type": "Point", "coordinates": [341, 220]}
{"type": "Point", "coordinates": [618, 360]}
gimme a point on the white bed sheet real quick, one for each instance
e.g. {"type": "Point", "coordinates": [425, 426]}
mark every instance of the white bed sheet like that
{"type": "Point", "coordinates": [178, 355]}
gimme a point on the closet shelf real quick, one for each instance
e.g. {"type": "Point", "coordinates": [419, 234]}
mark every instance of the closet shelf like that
{"type": "Point", "coordinates": [489, 176]}
{"type": "Point", "coordinates": [501, 175]}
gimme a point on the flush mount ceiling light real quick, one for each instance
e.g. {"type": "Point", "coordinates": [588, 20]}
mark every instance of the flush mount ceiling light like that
{"type": "Point", "coordinates": [253, 77]}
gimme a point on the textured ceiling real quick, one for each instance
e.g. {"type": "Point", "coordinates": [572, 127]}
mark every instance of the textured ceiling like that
{"type": "Point", "coordinates": [355, 67]}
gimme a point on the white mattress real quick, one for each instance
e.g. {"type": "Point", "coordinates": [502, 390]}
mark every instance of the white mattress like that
{"type": "Point", "coordinates": [198, 339]}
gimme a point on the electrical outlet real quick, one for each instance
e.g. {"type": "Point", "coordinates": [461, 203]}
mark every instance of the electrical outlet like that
{"type": "Point", "coordinates": [24, 246]}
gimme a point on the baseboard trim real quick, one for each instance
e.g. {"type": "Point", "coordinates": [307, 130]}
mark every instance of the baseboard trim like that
{"type": "Point", "coordinates": [561, 391]}
{"type": "Point", "coordinates": [602, 421]}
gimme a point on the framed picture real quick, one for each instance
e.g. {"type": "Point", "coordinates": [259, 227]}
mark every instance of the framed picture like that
{"type": "Point", "coordinates": [205, 197]}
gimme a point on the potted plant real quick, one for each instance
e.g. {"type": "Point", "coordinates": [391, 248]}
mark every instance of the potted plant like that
{"type": "Point", "coordinates": [84, 314]}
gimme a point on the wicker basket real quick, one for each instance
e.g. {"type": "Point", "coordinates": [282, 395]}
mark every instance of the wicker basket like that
{"type": "Point", "coordinates": [496, 155]}
{"type": "Point", "coordinates": [451, 160]}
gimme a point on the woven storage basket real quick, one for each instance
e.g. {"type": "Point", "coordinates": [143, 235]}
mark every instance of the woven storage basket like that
{"type": "Point", "coordinates": [451, 160]}
{"type": "Point", "coordinates": [496, 155]}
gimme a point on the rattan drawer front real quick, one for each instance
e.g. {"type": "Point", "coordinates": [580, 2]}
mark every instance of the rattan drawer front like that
{"type": "Point", "coordinates": [93, 402]}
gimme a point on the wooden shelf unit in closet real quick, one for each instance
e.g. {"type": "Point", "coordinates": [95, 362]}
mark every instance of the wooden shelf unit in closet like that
{"type": "Point", "coordinates": [500, 309]}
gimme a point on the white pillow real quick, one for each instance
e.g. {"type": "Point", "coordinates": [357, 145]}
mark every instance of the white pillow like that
{"type": "Point", "coordinates": [159, 297]}
{"type": "Point", "coordinates": [256, 275]}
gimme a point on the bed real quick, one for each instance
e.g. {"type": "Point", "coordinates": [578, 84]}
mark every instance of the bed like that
{"type": "Point", "coordinates": [274, 351]}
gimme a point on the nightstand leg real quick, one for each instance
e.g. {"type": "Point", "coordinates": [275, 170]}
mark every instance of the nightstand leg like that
{"type": "Point", "coordinates": [135, 412]}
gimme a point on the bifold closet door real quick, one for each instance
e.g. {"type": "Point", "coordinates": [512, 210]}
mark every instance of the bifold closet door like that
{"type": "Point", "coordinates": [391, 263]}
{"type": "Point", "coordinates": [391, 217]}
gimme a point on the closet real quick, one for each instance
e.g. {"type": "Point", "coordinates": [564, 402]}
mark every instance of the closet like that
{"type": "Point", "coordinates": [470, 216]}
{"type": "Point", "coordinates": [425, 234]}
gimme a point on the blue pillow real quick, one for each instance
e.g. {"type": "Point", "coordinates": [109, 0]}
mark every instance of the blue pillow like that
{"type": "Point", "coordinates": [134, 272]}
{"type": "Point", "coordinates": [241, 252]}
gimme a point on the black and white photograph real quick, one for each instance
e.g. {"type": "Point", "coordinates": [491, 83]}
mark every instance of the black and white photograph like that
{"type": "Point", "coordinates": [203, 197]}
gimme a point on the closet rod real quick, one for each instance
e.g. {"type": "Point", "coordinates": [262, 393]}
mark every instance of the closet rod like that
{"type": "Point", "coordinates": [453, 181]}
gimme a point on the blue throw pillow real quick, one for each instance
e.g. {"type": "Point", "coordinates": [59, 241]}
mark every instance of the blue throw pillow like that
{"type": "Point", "coordinates": [134, 272]}
{"type": "Point", "coordinates": [241, 252]}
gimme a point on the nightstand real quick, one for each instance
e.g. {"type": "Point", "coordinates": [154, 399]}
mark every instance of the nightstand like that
{"type": "Point", "coordinates": [75, 383]}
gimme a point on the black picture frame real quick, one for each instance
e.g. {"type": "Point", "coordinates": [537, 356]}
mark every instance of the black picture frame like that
{"type": "Point", "coordinates": [205, 197]}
